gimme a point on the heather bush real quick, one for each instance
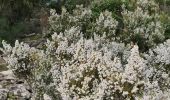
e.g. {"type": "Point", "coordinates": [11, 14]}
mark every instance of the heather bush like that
{"type": "Point", "coordinates": [71, 4]}
{"type": "Point", "coordinates": [82, 18]}
{"type": "Point", "coordinates": [87, 69]}
{"type": "Point", "coordinates": [84, 59]}
{"type": "Point", "coordinates": [142, 25]}
{"type": "Point", "coordinates": [113, 6]}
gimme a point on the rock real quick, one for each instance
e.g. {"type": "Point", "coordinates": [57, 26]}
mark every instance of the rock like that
{"type": "Point", "coordinates": [6, 78]}
{"type": "Point", "coordinates": [7, 74]}
{"type": "Point", "coordinates": [47, 97]}
{"type": "Point", "coordinates": [24, 92]}
{"type": "Point", "coordinates": [11, 87]}
{"type": "Point", "coordinates": [1, 87]}
{"type": "Point", "coordinates": [3, 94]}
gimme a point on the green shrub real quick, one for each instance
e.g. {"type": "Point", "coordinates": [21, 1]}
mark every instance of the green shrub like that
{"type": "Point", "coordinates": [71, 4]}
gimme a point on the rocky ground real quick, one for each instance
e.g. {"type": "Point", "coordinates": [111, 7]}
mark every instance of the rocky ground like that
{"type": "Point", "coordinates": [12, 88]}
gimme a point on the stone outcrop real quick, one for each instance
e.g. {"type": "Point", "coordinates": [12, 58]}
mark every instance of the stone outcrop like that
{"type": "Point", "coordinates": [12, 88]}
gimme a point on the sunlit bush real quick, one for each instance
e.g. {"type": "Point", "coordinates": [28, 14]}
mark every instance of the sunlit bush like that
{"type": "Point", "coordinates": [95, 63]}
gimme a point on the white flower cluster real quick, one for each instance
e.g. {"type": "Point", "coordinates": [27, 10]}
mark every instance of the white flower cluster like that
{"type": "Point", "coordinates": [88, 69]}
{"type": "Point", "coordinates": [106, 22]}
{"type": "Point", "coordinates": [65, 21]}
{"type": "Point", "coordinates": [82, 18]}
{"type": "Point", "coordinates": [134, 70]}
{"type": "Point", "coordinates": [16, 56]}
{"type": "Point", "coordinates": [163, 53]}
{"type": "Point", "coordinates": [144, 22]}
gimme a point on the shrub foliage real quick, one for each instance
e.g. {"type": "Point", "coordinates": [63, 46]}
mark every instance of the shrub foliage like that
{"type": "Point", "coordinates": [85, 59]}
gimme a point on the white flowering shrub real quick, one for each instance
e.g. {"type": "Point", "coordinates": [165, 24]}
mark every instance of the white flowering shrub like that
{"type": "Point", "coordinates": [82, 17]}
{"type": "Point", "coordinates": [163, 53]}
{"type": "Point", "coordinates": [60, 23]}
{"type": "Point", "coordinates": [86, 69]}
{"type": "Point", "coordinates": [30, 64]}
{"type": "Point", "coordinates": [158, 57]}
{"type": "Point", "coordinates": [143, 24]}
{"type": "Point", "coordinates": [74, 66]}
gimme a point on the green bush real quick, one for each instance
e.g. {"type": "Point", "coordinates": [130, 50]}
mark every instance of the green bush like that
{"type": "Point", "coordinates": [14, 17]}
{"type": "Point", "coordinates": [110, 5]}
{"type": "Point", "coordinates": [10, 33]}
{"type": "Point", "coordinates": [71, 4]}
